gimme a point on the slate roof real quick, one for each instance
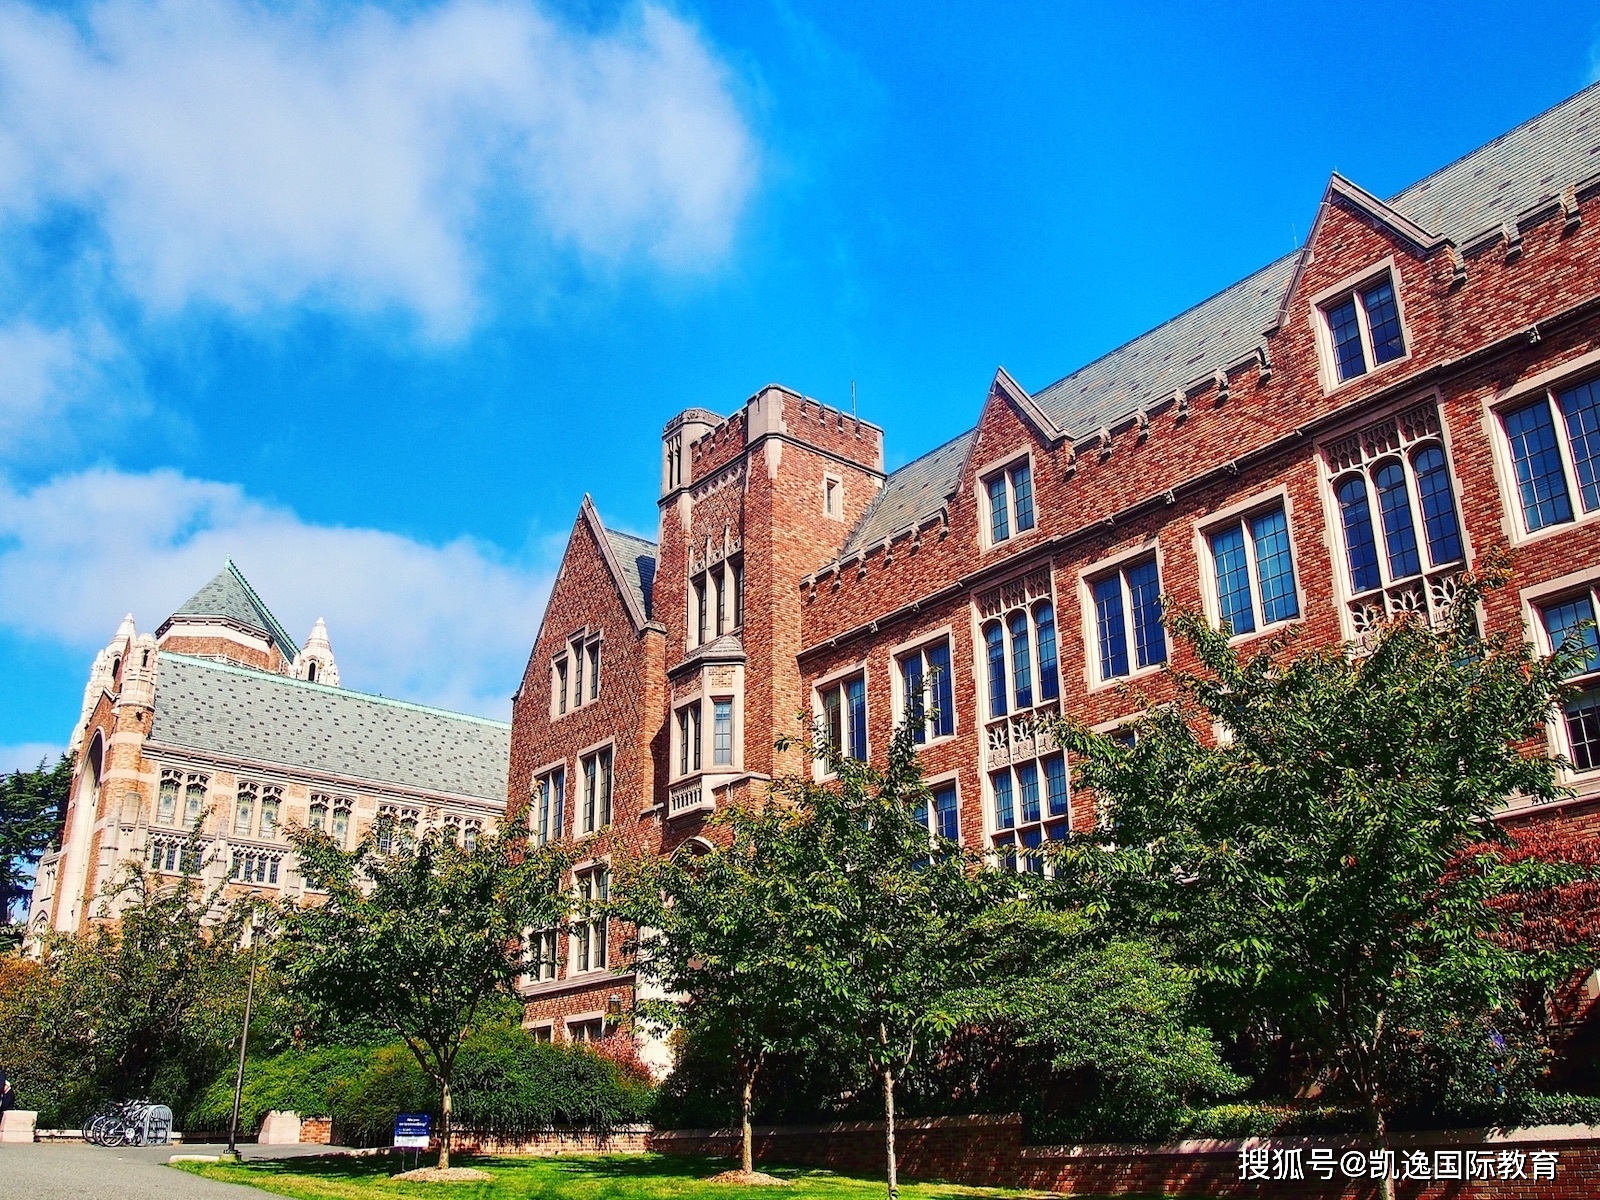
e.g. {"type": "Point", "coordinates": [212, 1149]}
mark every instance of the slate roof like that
{"type": "Point", "coordinates": [233, 711]}
{"type": "Point", "coordinates": [230, 596]}
{"type": "Point", "coordinates": [638, 560]}
{"type": "Point", "coordinates": [1514, 174]}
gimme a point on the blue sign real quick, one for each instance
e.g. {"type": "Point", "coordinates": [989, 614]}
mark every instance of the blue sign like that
{"type": "Point", "coordinates": [411, 1130]}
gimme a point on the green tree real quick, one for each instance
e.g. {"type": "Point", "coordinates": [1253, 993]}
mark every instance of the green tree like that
{"type": "Point", "coordinates": [1114, 1020]}
{"type": "Point", "coordinates": [1290, 823]}
{"type": "Point", "coordinates": [880, 909]}
{"type": "Point", "coordinates": [420, 935]}
{"type": "Point", "coordinates": [147, 1004]}
{"type": "Point", "coordinates": [33, 805]}
{"type": "Point", "coordinates": [713, 933]}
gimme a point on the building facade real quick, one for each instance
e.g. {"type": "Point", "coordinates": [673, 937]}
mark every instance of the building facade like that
{"type": "Point", "coordinates": [1328, 442]}
{"type": "Point", "coordinates": [218, 723]}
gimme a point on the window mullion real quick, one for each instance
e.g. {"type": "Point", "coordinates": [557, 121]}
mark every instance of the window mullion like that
{"type": "Point", "coordinates": [1253, 572]}
{"type": "Point", "coordinates": [1365, 326]}
{"type": "Point", "coordinates": [1569, 467]}
{"type": "Point", "coordinates": [1128, 632]}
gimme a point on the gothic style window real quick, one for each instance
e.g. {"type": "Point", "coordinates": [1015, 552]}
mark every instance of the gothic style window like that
{"type": "Point", "coordinates": [271, 799]}
{"type": "Point", "coordinates": [1025, 644]}
{"type": "Point", "coordinates": [317, 814]}
{"type": "Point", "coordinates": [1363, 328]}
{"type": "Point", "coordinates": [844, 716]}
{"type": "Point", "coordinates": [470, 832]}
{"type": "Point", "coordinates": [1253, 569]}
{"type": "Point", "coordinates": [1009, 493]}
{"type": "Point", "coordinates": [1570, 621]}
{"type": "Point", "coordinates": [559, 684]}
{"type": "Point", "coordinates": [596, 791]}
{"type": "Point", "coordinates": [341, 823]}
{"type": "Point", "coordinates": [549, 802]}
{"type": "Point", "coordinates": [194, 800]}
{"type": "Point", "coordinates": [167, 798]}
{"type": "Point", "coordinates": [1554, 443]}
{"type": "Point", "coordinates": [1127, 609]}
{"type": "Point", "coordinates": [716, 601]}
{"type": "Point", "coordinates": [1395, 510]}
{"type": "Point", "coordinates": [244, 807]}
{"type": "Point", "coordinates": [927, 695]}
{"type": "Point", "coordinates": [1031, 806]}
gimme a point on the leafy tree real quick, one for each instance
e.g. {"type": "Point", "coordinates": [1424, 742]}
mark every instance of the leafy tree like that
{"type": "Point", "coordinates": [1290, 822]}
{"type": "Point", "coordinates": [33, 805]}
{"type": "Point", "coordinates": [880, 910]}
{"type": "Point", "coordinates": [713, 932]}
{"type": "Point", "coordinates": [1112, 1018]}
{"type": "Point", "coordinates": [148, 1005]}
{"type": "Point", "coordinates": [422, 937]}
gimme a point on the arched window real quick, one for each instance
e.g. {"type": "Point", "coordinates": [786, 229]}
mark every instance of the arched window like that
{"type": "Point", "coordinates": [341, 823]}
{"type": "Point", "coordinates": [318, 814]}
{"type": "Point", "coordinates": [194, 800]}
{"type": "Point", "coordinates": [1021, 660]}
{"type": "Point", "coordinates": [311, 672]}
{"type": "Point", "coordinates": [995, 643]}
{"type": "Point", "coordinates": [244, 810]}
{"type": "Point", "coordinates": [1360, 544]}
{"type": "Point", "coordinates": [1399, 530]}
{"type": "Point", "coordinates": [167, 801]}
{"type": "Point", "coordinates": [270, 800]}
{"type": "Point", "coordinates": [1044, 621]}
{"type": "Point", "coordinates": [1438, 505]}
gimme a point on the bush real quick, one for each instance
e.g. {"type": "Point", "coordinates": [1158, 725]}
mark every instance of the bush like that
{"type": "Point", "coordinates": [505, 1083]}
{"type": "Point", "coordinates": [295, 1081]}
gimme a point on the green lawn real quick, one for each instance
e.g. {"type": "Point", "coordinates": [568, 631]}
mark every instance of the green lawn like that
{"type": "Point", "coordinates": [619, 1177]}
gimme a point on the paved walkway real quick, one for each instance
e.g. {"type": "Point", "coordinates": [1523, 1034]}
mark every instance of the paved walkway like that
{"type": "Point", "coordinates": [74, 1171]}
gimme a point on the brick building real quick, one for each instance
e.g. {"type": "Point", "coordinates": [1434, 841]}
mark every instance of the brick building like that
{"type": "Point", "coordinates": [1330, 440]}
{"type": "Point", "coordinates": [218, 720]}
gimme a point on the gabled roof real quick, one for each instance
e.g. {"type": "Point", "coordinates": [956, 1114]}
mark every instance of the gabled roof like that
{"type": "Point", "coordinates": [233, 711]}
{"type": "Point", "coordinates": [1516, 174]}
{"type": "Point", "coordinates": [230, 597]}
{"type": "Point", "coordinates": [631, 560]}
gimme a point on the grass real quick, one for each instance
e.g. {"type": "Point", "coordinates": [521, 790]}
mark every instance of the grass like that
{"type": "Point", "coordinates": [616, 1177]}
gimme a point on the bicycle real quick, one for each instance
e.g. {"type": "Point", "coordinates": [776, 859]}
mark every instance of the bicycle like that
{"type": "Point", "coordinates": [127, 1123]}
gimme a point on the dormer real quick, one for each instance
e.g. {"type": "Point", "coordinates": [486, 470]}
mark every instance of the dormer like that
{"type": "Point", "coordinates": [315, 663]}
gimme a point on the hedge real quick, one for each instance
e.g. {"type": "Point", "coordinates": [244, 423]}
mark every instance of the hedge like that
{"type": "Point", "coordinates": [505, 1083]}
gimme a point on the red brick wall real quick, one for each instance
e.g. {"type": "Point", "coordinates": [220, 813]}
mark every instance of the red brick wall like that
{"type": "Point", "coordinates": [989, 1152]}
{"type": "Point", "coordinates": [627, 711]}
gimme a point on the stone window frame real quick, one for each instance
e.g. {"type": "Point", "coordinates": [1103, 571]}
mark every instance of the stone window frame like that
{"type": "Point", "coordinates": [687, 755]}
{"type": "Point", "coordinates": [720, 586]}
{"type": "Point", "coordinates": [1006, 466]}
{"type": "Point", "coordinates": [595, 1019]}
{"type": "Point", "coordinates": [575, 671]}
{"type": "Point", "coordinates": [1333, 462]}
{"type": "Point", "coordinates": [545, 970]}
{"type": "Point", "coordinates": [540, 826]}
{"type": "Point", "coordinates": [1118, 562]}
{"type": "Point", "coordinates": [833, 496]}
{"type": "Point", "coordinates": [1046, 825]}
{"type": "Point", "coordinates": [1532, 600]}
{"type": "Point", "coordinates": [936, 783]}
{"type": "Point", "coordinates": [174, 776]}
{"type": "Point", "coordinates": [596, 926]}
{"type": "Point", "coordinates": [605, 812]}
{"type": "Point", "coordinates": [1259, 502]}
{"type": "Point", "coordinates": [836, 680]}
{"type": "Point", "coordinates": [919, 644]}
{"type": "Point", "coordinates": [1570, 373]}
{"type": "Point", "coordinates": [1355, 282]}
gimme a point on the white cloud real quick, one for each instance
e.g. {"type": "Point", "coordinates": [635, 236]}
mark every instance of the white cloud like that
{"type": "Point", "coordinates": [449, 625]}
{"type": "Point", "coordinates": [28, 755]}
{"type": "Point", "coordinates": [249, 157]}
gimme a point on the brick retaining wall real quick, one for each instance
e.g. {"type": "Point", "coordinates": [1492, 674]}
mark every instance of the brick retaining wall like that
{"type": "Point", "coordinates": [989, 1151]}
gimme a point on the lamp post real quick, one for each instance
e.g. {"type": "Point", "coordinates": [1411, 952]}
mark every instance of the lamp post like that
{"type": "Point", "coordinates": [256, 930]}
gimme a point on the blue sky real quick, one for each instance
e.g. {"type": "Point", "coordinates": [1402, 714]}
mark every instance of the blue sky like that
{"type": "Point", "coordinates": [367, 296]}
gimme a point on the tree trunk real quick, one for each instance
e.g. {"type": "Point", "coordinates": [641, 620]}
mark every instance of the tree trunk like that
{"type": "Point", "coordinates": [746, 1157]}
{"type": "Point", "coordinates": [444, 1123]}
{"type": "Point", "coordinates": [888, 1132]}
{"type": "Point", "coordinates": [1380, 1138]}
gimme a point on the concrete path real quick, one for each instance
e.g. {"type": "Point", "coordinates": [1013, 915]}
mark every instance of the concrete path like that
{"type": "Point", "coordinates": [74, 1171]}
